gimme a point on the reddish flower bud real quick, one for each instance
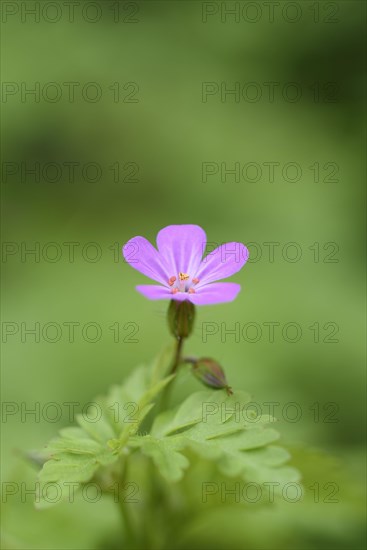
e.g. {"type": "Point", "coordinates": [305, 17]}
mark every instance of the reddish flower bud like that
{"type": "Point", "coordinates": [210, 373]}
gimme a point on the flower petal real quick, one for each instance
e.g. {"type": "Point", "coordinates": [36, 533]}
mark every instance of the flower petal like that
{"type": "Point", "coordinates": [222, 262]}
{"type": "Point", "coordinates": [157, 292]}
{"type": "Point", "coordinates": [215, 293]}
{"type": "Point", "coordinates": [183, 247]}
{"type": "Point", "coordinates": [143, 257]}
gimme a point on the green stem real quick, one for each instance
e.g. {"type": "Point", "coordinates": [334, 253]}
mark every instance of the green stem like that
{"type": "Point", "coordinates": [127, 521]}
{"type": "Point", "coordinates": [177, 358]}
{"type": "Point", "coordinates": [125, 511]}
{"type": "Point", "coordinates": [175, 364]}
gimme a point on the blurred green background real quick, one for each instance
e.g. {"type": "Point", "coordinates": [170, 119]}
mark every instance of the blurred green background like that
{"type": "Point", "coordinates": [160, 130]}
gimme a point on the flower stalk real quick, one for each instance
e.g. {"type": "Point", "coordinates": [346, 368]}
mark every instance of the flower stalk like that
{"type": "Point", "coordinates": [178, 355]}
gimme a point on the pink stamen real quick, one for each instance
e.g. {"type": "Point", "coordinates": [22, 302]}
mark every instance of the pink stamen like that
{"type": "Point", "coordinates": [171, 281]}
{"type": "Point", "coordinates": [191, 291]}
{"type": "Point", "coordinates": [174, 290]}
{"type": "Point", "coordinates": [195, 280]}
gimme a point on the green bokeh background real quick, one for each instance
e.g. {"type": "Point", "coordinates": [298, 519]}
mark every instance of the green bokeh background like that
{"type": "Point", "coordinates": [169, 132]}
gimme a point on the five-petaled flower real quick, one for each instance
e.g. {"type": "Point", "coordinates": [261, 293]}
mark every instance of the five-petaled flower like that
{"type": "Point", "coordinates": [178, 265]}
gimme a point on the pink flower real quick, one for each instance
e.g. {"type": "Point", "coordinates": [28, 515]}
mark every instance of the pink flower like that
{"type": "Point", "coordinates": [178, 265]}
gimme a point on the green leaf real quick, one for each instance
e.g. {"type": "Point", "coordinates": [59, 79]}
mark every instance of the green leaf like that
{"type": "Point", "coordinates": [210, 424]}
{"type": "Point", "coordinates": [216, 427]}
{"type": "Point", "coordinates": [168, 460]}
{"type": "Point", "coordinates": [74, 446]}
{"type": "Point", "coordinates": [100, 438]}
{"type": "Point", "coordinates": [65, 472]}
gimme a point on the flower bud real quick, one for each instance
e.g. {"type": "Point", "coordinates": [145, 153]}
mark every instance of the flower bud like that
{"type": "Point", "coordinates": [181, 317]}
{"type": "Point", "coordinates": [210, 373]}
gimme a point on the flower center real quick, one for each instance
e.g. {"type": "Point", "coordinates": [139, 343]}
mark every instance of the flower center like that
{"type": "Point", "coordinates": [182, 283]}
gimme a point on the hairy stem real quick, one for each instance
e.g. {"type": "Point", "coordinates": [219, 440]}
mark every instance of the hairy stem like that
{"type": "Point", "coordinates": [125, 511]}
{"type": "Point", "coordinates": [177, 358]}
{"type": "Point", "coordinates": [126, 518]}
{"type": "Point", "coordinates": [175, 364]}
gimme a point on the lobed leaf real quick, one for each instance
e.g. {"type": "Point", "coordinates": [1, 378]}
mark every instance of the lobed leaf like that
{"type": "Point", "coordinates": [212, 424]}
{"type": "Point", "coordinates": [79, 451]}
